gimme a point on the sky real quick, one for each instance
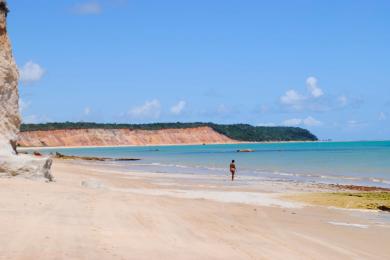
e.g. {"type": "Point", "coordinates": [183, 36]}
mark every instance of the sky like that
{"type": "Point", "coordinates": [320, 65]}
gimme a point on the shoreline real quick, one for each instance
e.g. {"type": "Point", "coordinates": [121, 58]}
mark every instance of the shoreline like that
{"type": "Point", "coordinates": [160, 145]}
{"type": "Point", "coordinates": [305, 187]}
{"type": "Point", "coordinates": [187, 144]}
{"type": "Point", "coordinates": [115, 146]}
{"type": "Point", "coordinates": [345, 182]}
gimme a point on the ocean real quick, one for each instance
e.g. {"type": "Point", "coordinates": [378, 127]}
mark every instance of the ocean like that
{"type": "Point", "coordinates": [356, 163]}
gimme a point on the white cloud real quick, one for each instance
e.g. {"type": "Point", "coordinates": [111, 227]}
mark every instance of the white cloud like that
{"type": "Point", "coordinates": [292, 122]}
{"type": "Point", "coordinates": [31, 72]}
{"type": "Point", "coordinates": [343, 101]}
{"type": "Point", "coordinates": [312, 100]}
{"type": "Point", "coordinates": [382, 116]}
{"type": "Point", "coordinates": [87, 111]}
{"type": "Point", "coordinates": [292, 98]}
{"type": "Point", "coordinates": [354, 124]}
{"type": "Point", "coordinates": [308, 121]}
{"type": "Point", "coordinates": [313, 88]}
{"type": "Point", "coordinates": [87, 8]}
{"type": "Point", "coordinates": [178, 108]}
{"type": "Point", "coordinates": [150, 109]}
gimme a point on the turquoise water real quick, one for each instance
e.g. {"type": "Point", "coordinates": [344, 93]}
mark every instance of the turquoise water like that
{"type": "Point", "coordinates": [361, 163]}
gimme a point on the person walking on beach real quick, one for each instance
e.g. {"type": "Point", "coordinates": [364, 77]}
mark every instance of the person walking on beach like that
{"type": "Point", "coordinates": [233, 169]}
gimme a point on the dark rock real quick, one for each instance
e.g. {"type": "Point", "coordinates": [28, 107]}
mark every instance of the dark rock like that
{"type": "Point", "coordinates": [384, 208]}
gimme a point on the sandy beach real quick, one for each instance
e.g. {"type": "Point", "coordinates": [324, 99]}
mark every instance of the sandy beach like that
{"type": "Point", "coordinates": [94, 211]}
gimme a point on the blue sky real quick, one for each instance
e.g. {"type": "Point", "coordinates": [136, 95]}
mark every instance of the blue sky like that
{"type": "Point", "coordinates": [321, 65]}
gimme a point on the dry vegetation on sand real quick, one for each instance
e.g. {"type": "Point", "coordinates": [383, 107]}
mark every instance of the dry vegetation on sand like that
{"type": "Point", "coordinates": [350, 200]}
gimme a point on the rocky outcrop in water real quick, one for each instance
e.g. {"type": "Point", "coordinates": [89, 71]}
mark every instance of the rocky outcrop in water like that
{"type": "Point", "coordinates": [12, 164]}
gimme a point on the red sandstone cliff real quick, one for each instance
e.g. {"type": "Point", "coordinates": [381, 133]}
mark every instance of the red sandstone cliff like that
{"type": "Point", "coordinates": [113, 137]}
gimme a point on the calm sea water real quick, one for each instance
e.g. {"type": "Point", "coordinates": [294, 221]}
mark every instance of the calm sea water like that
{"type": "Point", "coordinates": [361, 163]}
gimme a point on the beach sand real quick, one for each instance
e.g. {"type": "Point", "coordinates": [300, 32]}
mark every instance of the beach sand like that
{"type": "Point", "coordinates": [95, 212]}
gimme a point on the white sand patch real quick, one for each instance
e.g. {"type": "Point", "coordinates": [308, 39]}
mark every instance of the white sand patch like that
{"type": "Point", "coordinates": [348, 224]}
{"type": "Point", "coordinates": [252, 198]}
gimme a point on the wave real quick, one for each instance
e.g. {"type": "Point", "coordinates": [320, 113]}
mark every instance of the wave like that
{"type": "Point", "coordinates": [160, 167]}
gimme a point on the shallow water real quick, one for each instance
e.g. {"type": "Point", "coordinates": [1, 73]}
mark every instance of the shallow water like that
{"type": "Point", "coordinates": [359, 163]}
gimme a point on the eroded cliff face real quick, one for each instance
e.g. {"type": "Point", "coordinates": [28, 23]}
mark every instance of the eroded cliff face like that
{"type": "Point", "coordinates": [9, 97]}
{"type": "Point", "coordinates": [114, 137]}
{"type": "Point", "coordinates": [12, 164]}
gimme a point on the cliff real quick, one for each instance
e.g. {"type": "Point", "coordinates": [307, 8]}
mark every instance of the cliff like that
{"type": "Point", "coordinates": [114, 137]}
{"type": "Point", "coordinates": [12, 164]}
{"type": "Point", "coordinates": [239, 132]}
{"type": "Point", "coordinates": [9, 96]}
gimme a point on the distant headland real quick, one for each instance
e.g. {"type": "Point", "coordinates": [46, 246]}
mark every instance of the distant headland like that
{"type": "Point", "coordinates": [97, 134]}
